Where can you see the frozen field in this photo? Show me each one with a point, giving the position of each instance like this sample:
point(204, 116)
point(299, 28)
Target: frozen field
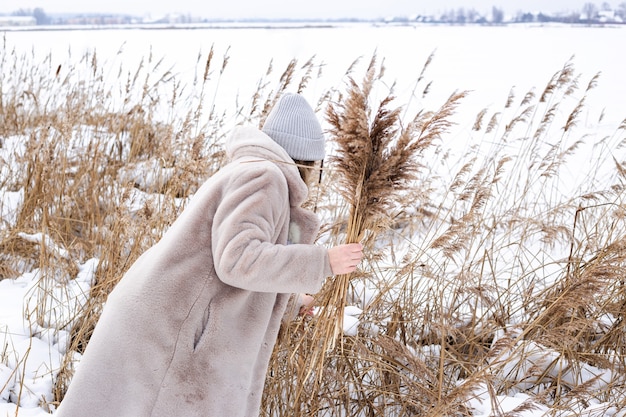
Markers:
point(486, 60)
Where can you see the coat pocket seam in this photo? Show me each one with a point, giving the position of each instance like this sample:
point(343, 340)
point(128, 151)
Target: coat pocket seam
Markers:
point(200, 333)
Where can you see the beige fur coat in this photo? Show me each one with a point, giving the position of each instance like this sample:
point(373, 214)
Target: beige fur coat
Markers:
point(190, 328)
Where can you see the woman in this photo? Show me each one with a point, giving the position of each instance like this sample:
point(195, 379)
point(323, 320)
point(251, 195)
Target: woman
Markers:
point(190, 328)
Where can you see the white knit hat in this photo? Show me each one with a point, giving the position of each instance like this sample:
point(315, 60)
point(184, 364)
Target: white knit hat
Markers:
point(292, 124)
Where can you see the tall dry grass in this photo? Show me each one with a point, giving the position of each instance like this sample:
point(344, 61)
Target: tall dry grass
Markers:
point(495, 276)
point(490, 267)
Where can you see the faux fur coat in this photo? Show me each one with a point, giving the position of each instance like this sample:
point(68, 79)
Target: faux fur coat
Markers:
point(190, 328)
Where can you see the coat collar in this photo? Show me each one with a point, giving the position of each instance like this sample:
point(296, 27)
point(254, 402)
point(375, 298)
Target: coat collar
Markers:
point(246, 142)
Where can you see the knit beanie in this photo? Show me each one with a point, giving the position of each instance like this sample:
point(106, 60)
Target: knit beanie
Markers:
point(292, 124)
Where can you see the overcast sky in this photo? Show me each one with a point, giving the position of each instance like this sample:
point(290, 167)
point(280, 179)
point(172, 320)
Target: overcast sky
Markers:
point(293, 8)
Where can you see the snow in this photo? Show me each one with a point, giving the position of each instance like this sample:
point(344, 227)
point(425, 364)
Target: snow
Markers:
point(30, 363)
point(488, 61)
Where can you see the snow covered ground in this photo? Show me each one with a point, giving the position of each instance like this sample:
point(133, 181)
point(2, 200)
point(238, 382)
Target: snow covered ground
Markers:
point(486, 60)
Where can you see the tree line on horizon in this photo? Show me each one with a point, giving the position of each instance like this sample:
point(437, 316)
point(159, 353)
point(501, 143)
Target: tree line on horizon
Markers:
point(590, 13)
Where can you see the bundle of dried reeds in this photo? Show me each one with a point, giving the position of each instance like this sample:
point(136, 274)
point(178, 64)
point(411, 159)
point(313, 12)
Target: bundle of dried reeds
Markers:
point(376, 159)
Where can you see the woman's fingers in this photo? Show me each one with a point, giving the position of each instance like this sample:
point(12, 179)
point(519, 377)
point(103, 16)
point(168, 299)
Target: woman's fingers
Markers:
point(307, 305)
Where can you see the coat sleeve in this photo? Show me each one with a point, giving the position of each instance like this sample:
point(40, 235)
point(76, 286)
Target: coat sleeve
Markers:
point(253, 207)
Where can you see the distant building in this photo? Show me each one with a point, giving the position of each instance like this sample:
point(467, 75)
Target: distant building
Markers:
point(17, 21)
point(609, 16)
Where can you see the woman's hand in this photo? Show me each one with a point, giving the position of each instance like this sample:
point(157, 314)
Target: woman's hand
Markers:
point(306, 305)
point(345, 258)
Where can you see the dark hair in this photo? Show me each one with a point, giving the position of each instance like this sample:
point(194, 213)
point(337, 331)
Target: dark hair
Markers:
point(305, 168)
